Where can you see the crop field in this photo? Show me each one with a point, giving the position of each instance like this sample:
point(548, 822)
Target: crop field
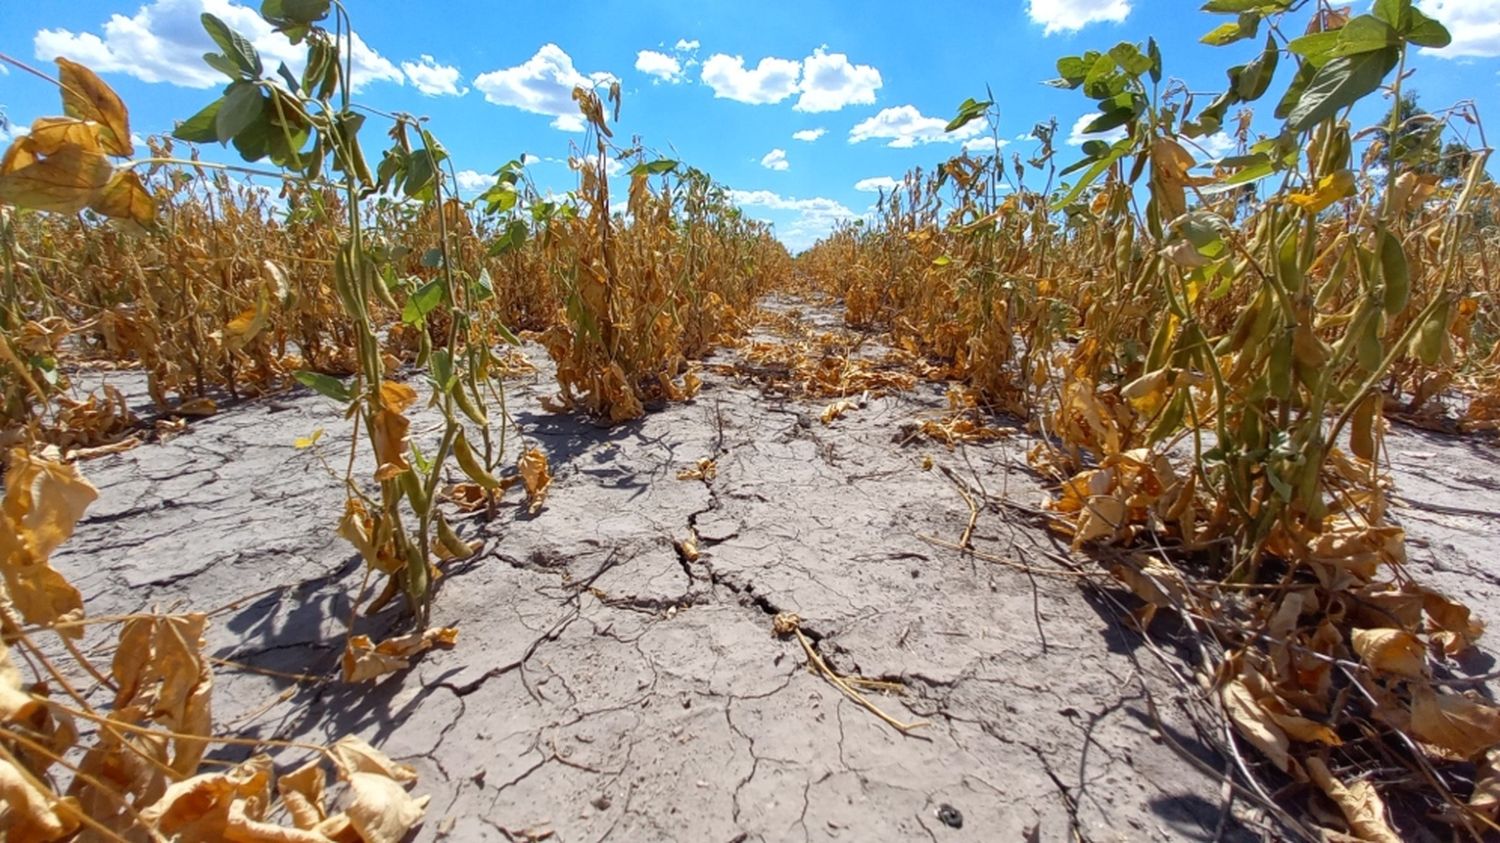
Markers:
point(1108, 491)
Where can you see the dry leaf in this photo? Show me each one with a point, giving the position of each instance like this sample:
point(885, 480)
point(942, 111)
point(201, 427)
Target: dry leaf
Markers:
point(1391, 650)
point(1454, 722)
point(42, 504)
point(1359, 802)
point(380, 809)
point(32, 814)
point(86, 97)
point(364, 660)
point(536, 476)
point(353, 754)
point(1255, 724)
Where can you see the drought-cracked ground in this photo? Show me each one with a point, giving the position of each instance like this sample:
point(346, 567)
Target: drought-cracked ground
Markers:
point(605, 686)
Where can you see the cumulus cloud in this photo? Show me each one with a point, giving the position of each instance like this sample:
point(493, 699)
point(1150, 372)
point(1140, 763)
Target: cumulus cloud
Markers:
point(809, 135)
point(1475, 25)
point(830, 82)
point(904, 126)
point(1073, 15)
point(985, 145)
point(164, 41)
point(1217, 145)
point(433, 79)
point(775, 160)
point(543, 84)
point(877, 183)
point(686, 46)
point(1077, 136)
point(771, 81)
point(825, 81)
point(812, 218)
point(660, 65)
point(473, 181)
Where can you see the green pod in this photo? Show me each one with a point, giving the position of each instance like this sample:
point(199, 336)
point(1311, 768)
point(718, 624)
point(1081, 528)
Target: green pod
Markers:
point(1396, 273)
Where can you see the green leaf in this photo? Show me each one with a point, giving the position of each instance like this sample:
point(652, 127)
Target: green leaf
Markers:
point(1339, 84)
point(324, 385)
point(506, 334)
point(483, 289)
point(1256, 76)
point(1248, 26)
point(1153, 52)
point(242, 108)
point(1295, 91)
point(968, 111)
point(1397, 13)
point(305, 11)
point(1109, 120)
point(1426, 32)
point(652, 168)
point(441, 369)
point(236, 47)
point(432, 258)
point(1115, 154)
point(422, 302)
point(200, 127)
point(513, 238)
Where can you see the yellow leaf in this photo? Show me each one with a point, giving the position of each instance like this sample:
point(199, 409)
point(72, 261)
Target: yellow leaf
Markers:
point(65, 182)
point(1391, 650)
point(353, 754)
point(49, 134)
point(1331, 188)
point(364, 660)
point(304, 442)
point(536, 475)
point(1360, 804)
point(32, 813)
point(126, 198)
point(381, 810)
point(42, 504)
point(86, 97)
point(1254, 723)
point(302, 794)
point(243, 328)
point(201, 406)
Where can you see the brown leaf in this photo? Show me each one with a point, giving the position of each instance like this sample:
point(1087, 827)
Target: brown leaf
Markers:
point(389, 439)
point(1453, 722)
point(364, 660)
point(86, 97)
point(1359, 802)
point(302, 793)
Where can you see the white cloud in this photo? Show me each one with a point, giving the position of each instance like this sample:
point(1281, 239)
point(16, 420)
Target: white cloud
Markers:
point(4, 70)
point(473, 181)
point(813, 217)
point(772, 80)
point(660, 65)
point(905, 127)
point(830, 82)
point(685, 46)
point(543, 84)
point(775, 160)
point(983, 145)
point(809, 135)
point(1077, 137)
point(1217, 145)
point(1474, 24)
point(433, 79)
point(9, 131)
point(1073, 15)
point(877, 183)
point(826, 81)
point(165, 42)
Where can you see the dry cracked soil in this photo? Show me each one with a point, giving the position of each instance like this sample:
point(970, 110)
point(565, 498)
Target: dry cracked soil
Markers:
point(605, 687)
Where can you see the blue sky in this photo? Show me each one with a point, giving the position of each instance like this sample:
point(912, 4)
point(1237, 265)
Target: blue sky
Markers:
point(802, 108)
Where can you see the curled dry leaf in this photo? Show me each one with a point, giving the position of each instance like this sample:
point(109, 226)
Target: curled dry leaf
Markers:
point(364, 660)
point(42, 504)
point(1456, 723)
point(32, 814)
point(536, 476)
point(1360, 804)
point(380, 809)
